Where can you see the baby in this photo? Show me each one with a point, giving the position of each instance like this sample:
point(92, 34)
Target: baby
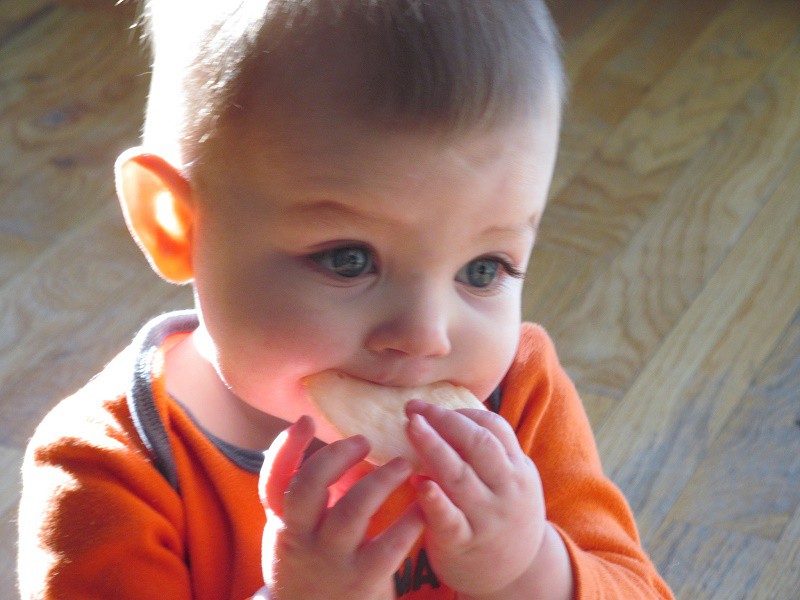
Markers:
point(350, 186)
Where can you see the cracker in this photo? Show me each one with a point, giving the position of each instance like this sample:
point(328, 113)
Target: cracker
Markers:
point(354, 406)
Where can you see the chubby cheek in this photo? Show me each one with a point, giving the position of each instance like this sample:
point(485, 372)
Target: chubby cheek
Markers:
point(268, 338)
point(490, 349)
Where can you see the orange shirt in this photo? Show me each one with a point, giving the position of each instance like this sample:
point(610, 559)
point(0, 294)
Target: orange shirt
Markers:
point(125, 496)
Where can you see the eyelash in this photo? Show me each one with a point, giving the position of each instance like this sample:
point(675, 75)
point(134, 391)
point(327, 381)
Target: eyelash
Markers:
point(511, 270)
point(506, 269)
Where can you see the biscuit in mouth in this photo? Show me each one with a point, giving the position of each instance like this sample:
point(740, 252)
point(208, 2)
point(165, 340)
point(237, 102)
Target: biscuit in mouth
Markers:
point(354, 406)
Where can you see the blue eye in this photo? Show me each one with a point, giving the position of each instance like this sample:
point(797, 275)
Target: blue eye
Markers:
point(348, 261)
point(479, 273)
point(483, 273)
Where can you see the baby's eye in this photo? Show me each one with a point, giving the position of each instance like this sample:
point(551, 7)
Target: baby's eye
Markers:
point(479, 273)
point(485, 272)
point(347, 261)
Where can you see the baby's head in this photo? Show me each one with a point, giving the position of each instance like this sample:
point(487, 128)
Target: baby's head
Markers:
point(450, 64)
point(350, 184)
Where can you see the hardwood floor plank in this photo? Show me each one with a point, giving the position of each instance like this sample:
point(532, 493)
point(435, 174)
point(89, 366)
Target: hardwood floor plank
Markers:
point(8, 554)
point(647, 286)
point(10, 463)
point(65, 114)
point(66, 283)
point(574, 17)
point(598, 407)
point(614, 192)
point(589, 27)
point(16, 16)
point(703, 563)
point(550, 271)
point(662, 428)
point(780, 576)
point(614, 62)
point(750, 480)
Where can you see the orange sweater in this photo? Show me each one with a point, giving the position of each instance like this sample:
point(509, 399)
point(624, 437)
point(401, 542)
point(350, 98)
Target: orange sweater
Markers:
point(124, 496)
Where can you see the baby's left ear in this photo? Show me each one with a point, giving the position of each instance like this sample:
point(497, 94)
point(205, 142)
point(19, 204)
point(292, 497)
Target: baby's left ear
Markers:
point(156, 201)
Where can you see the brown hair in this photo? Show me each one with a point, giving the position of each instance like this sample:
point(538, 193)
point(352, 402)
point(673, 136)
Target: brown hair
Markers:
point(452, 63)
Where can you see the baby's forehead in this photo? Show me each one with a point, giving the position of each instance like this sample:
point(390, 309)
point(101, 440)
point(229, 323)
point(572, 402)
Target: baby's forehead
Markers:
point(453, 215)
point(297, 171)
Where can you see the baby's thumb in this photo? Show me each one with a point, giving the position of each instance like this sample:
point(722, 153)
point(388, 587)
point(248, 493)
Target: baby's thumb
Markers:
point(281, 461)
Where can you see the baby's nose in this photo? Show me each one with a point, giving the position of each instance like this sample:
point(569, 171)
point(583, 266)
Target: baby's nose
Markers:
point(415, 324)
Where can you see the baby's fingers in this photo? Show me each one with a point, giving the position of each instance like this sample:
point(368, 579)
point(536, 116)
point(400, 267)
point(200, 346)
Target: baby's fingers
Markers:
point(474, 436)
point(387, 550)
point(445, 521)
point(281, 461)
point(346, 523)
point(306, 498)
point(501, 429)
point(440, 461)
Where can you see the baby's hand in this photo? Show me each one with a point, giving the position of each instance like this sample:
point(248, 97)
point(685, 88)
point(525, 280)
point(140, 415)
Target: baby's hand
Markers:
point(483, 504)
point(313, 551)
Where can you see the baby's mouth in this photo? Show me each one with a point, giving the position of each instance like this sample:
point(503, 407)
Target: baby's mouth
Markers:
point(400, 375)
point(396, 384)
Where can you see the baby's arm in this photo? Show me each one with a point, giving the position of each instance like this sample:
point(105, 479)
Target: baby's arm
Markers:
point(584, 506)
point(96, 522)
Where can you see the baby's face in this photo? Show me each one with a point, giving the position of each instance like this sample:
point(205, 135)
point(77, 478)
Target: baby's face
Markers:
point(393, 257)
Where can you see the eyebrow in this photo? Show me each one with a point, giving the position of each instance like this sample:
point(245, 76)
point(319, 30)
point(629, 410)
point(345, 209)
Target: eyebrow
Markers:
point(333, 209)
point(532, 225)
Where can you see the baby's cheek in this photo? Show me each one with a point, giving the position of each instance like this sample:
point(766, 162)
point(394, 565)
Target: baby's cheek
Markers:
point(491, 351)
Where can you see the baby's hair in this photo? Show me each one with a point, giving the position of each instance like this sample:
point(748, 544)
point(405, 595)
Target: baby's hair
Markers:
point(452, 64)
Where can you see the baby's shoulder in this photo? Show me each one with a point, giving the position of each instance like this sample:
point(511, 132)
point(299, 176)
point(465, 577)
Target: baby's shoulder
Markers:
point(535, 345)
point(536, 369)
point(95, 418)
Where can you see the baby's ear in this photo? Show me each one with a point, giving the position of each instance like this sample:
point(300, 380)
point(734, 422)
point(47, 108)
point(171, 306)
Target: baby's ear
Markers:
point(157, 204)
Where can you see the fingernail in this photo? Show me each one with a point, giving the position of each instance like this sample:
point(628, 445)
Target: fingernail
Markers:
point(400, 465)
point(302, 424)
point(418, 423)
point(360, 441)
point(415, 405)
point(429, 491)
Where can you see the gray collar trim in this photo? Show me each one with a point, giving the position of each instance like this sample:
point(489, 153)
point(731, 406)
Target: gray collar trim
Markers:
point(142, 405)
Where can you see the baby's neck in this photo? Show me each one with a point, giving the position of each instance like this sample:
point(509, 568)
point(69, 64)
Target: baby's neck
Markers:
point(193, 381)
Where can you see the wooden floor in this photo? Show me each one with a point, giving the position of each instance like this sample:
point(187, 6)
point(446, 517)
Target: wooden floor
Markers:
point(667, 270)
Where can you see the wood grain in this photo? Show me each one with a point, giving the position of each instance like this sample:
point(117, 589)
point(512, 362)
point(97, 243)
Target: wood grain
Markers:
point(16, 17)
point(10, 462)
point(688, 390)
point(613, 64)
point(781, 575)
point(8, 554)
point(753, 465)
point(62, 126)
point(73, 317)
point(636, 164)
point(730, 561)
point(683, 240)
